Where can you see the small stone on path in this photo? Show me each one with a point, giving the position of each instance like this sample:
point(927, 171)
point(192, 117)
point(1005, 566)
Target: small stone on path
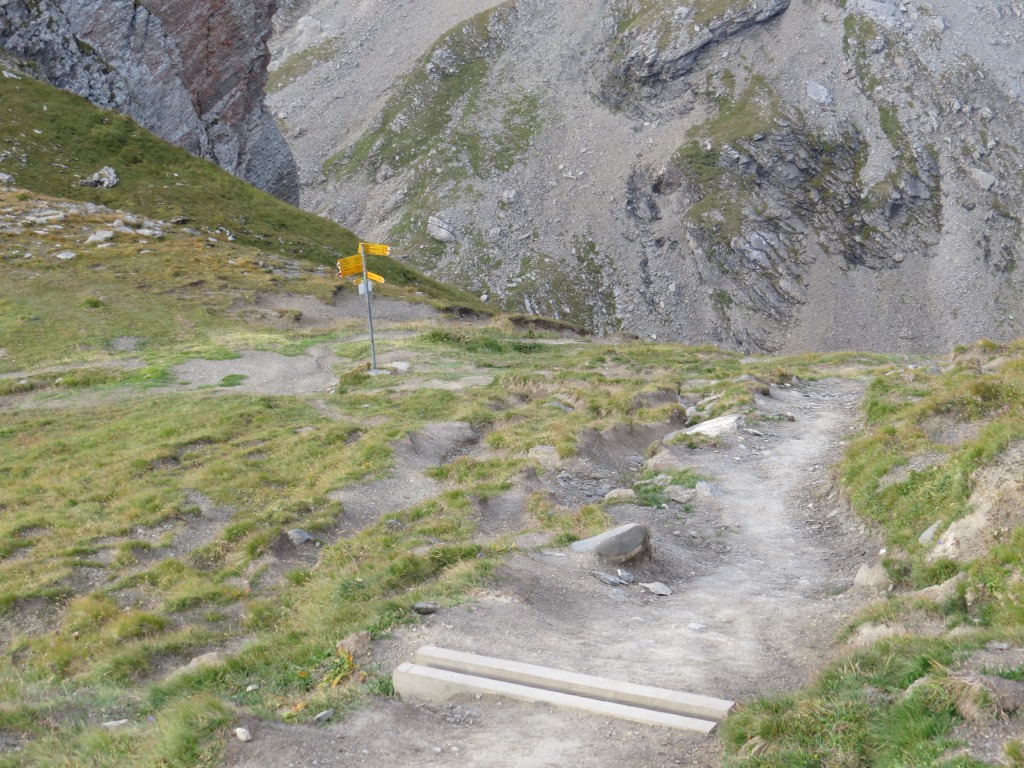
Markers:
point(679, 494)
point(425, 608)
point(299, 537)
point(607, 578)
point(717, 427)
point(710, 490)
point(656, 588)
point(322, 717)
point(242, 734)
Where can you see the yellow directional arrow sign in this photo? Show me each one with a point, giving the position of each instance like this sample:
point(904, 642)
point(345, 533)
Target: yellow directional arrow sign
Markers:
point(350, 265)
point(375, 277)
point(375, 249)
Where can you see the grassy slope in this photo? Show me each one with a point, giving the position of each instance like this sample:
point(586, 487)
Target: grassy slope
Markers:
point(101, 568)
point(97, 504)
point(97, 497)
point(49, 139)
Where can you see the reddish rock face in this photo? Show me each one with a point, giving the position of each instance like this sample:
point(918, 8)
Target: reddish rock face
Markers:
point(191, 71)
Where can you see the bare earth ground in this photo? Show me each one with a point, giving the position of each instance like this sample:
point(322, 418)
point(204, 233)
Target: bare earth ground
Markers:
point(760, 578)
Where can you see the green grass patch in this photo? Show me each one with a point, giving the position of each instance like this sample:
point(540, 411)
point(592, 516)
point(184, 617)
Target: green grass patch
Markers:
point(300, 63)
point(652, 494)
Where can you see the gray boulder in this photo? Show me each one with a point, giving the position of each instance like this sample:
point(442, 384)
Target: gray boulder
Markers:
point(441, 230)
point(619, 544)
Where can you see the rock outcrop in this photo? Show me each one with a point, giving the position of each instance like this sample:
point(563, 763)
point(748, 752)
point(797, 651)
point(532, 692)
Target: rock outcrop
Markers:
point(191, 72)
point(648, 54)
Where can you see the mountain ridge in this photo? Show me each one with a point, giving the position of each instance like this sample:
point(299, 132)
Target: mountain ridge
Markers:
point(788, 176)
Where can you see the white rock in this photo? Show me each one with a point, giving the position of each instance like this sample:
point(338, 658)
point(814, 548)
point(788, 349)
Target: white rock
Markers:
point(66, 255)
point(984, 179)
point(100, 236)
point(441, 230)
point(242, 734)
point(872, 577)
point(818, 92)
point(928, 535)
point(105, 177)
point(713, 427)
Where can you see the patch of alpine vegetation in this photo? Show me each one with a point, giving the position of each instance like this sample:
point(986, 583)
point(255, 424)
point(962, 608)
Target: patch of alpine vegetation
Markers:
point(424, 113)
point(301, 62)
point(652, 42)
point(935, 677)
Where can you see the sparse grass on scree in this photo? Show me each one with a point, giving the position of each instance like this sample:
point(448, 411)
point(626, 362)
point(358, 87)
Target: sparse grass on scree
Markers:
point(862, 711)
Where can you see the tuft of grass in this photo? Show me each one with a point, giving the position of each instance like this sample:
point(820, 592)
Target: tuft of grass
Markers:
point(567, 525)
point(652, 494)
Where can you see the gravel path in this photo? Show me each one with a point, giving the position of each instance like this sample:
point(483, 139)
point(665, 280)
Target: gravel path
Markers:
point(760, 578)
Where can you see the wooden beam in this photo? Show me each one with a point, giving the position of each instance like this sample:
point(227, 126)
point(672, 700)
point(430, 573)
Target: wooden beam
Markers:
point(600, 688)
point(428, 685)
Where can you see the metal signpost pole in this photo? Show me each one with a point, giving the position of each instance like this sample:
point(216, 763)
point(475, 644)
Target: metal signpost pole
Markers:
point(368, 288)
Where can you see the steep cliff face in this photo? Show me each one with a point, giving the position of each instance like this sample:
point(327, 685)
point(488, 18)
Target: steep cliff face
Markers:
point(764, 174)
point(191, 72)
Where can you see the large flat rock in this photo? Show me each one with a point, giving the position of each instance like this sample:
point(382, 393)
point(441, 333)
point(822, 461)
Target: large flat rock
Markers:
point(618, 544)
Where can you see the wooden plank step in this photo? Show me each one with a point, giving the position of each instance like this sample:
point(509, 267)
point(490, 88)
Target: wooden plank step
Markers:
point(417, 683)
point(660, 699)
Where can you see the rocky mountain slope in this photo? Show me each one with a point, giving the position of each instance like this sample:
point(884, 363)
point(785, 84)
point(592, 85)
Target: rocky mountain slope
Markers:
point(192, 73)
point(768, 175)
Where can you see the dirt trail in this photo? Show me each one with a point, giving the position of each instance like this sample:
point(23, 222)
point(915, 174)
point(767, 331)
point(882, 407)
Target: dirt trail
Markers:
point(760, 577)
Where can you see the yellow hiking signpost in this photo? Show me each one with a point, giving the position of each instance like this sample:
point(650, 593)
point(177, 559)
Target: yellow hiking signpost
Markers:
point(350, 265)
point(356, 265)
point(375, 249)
